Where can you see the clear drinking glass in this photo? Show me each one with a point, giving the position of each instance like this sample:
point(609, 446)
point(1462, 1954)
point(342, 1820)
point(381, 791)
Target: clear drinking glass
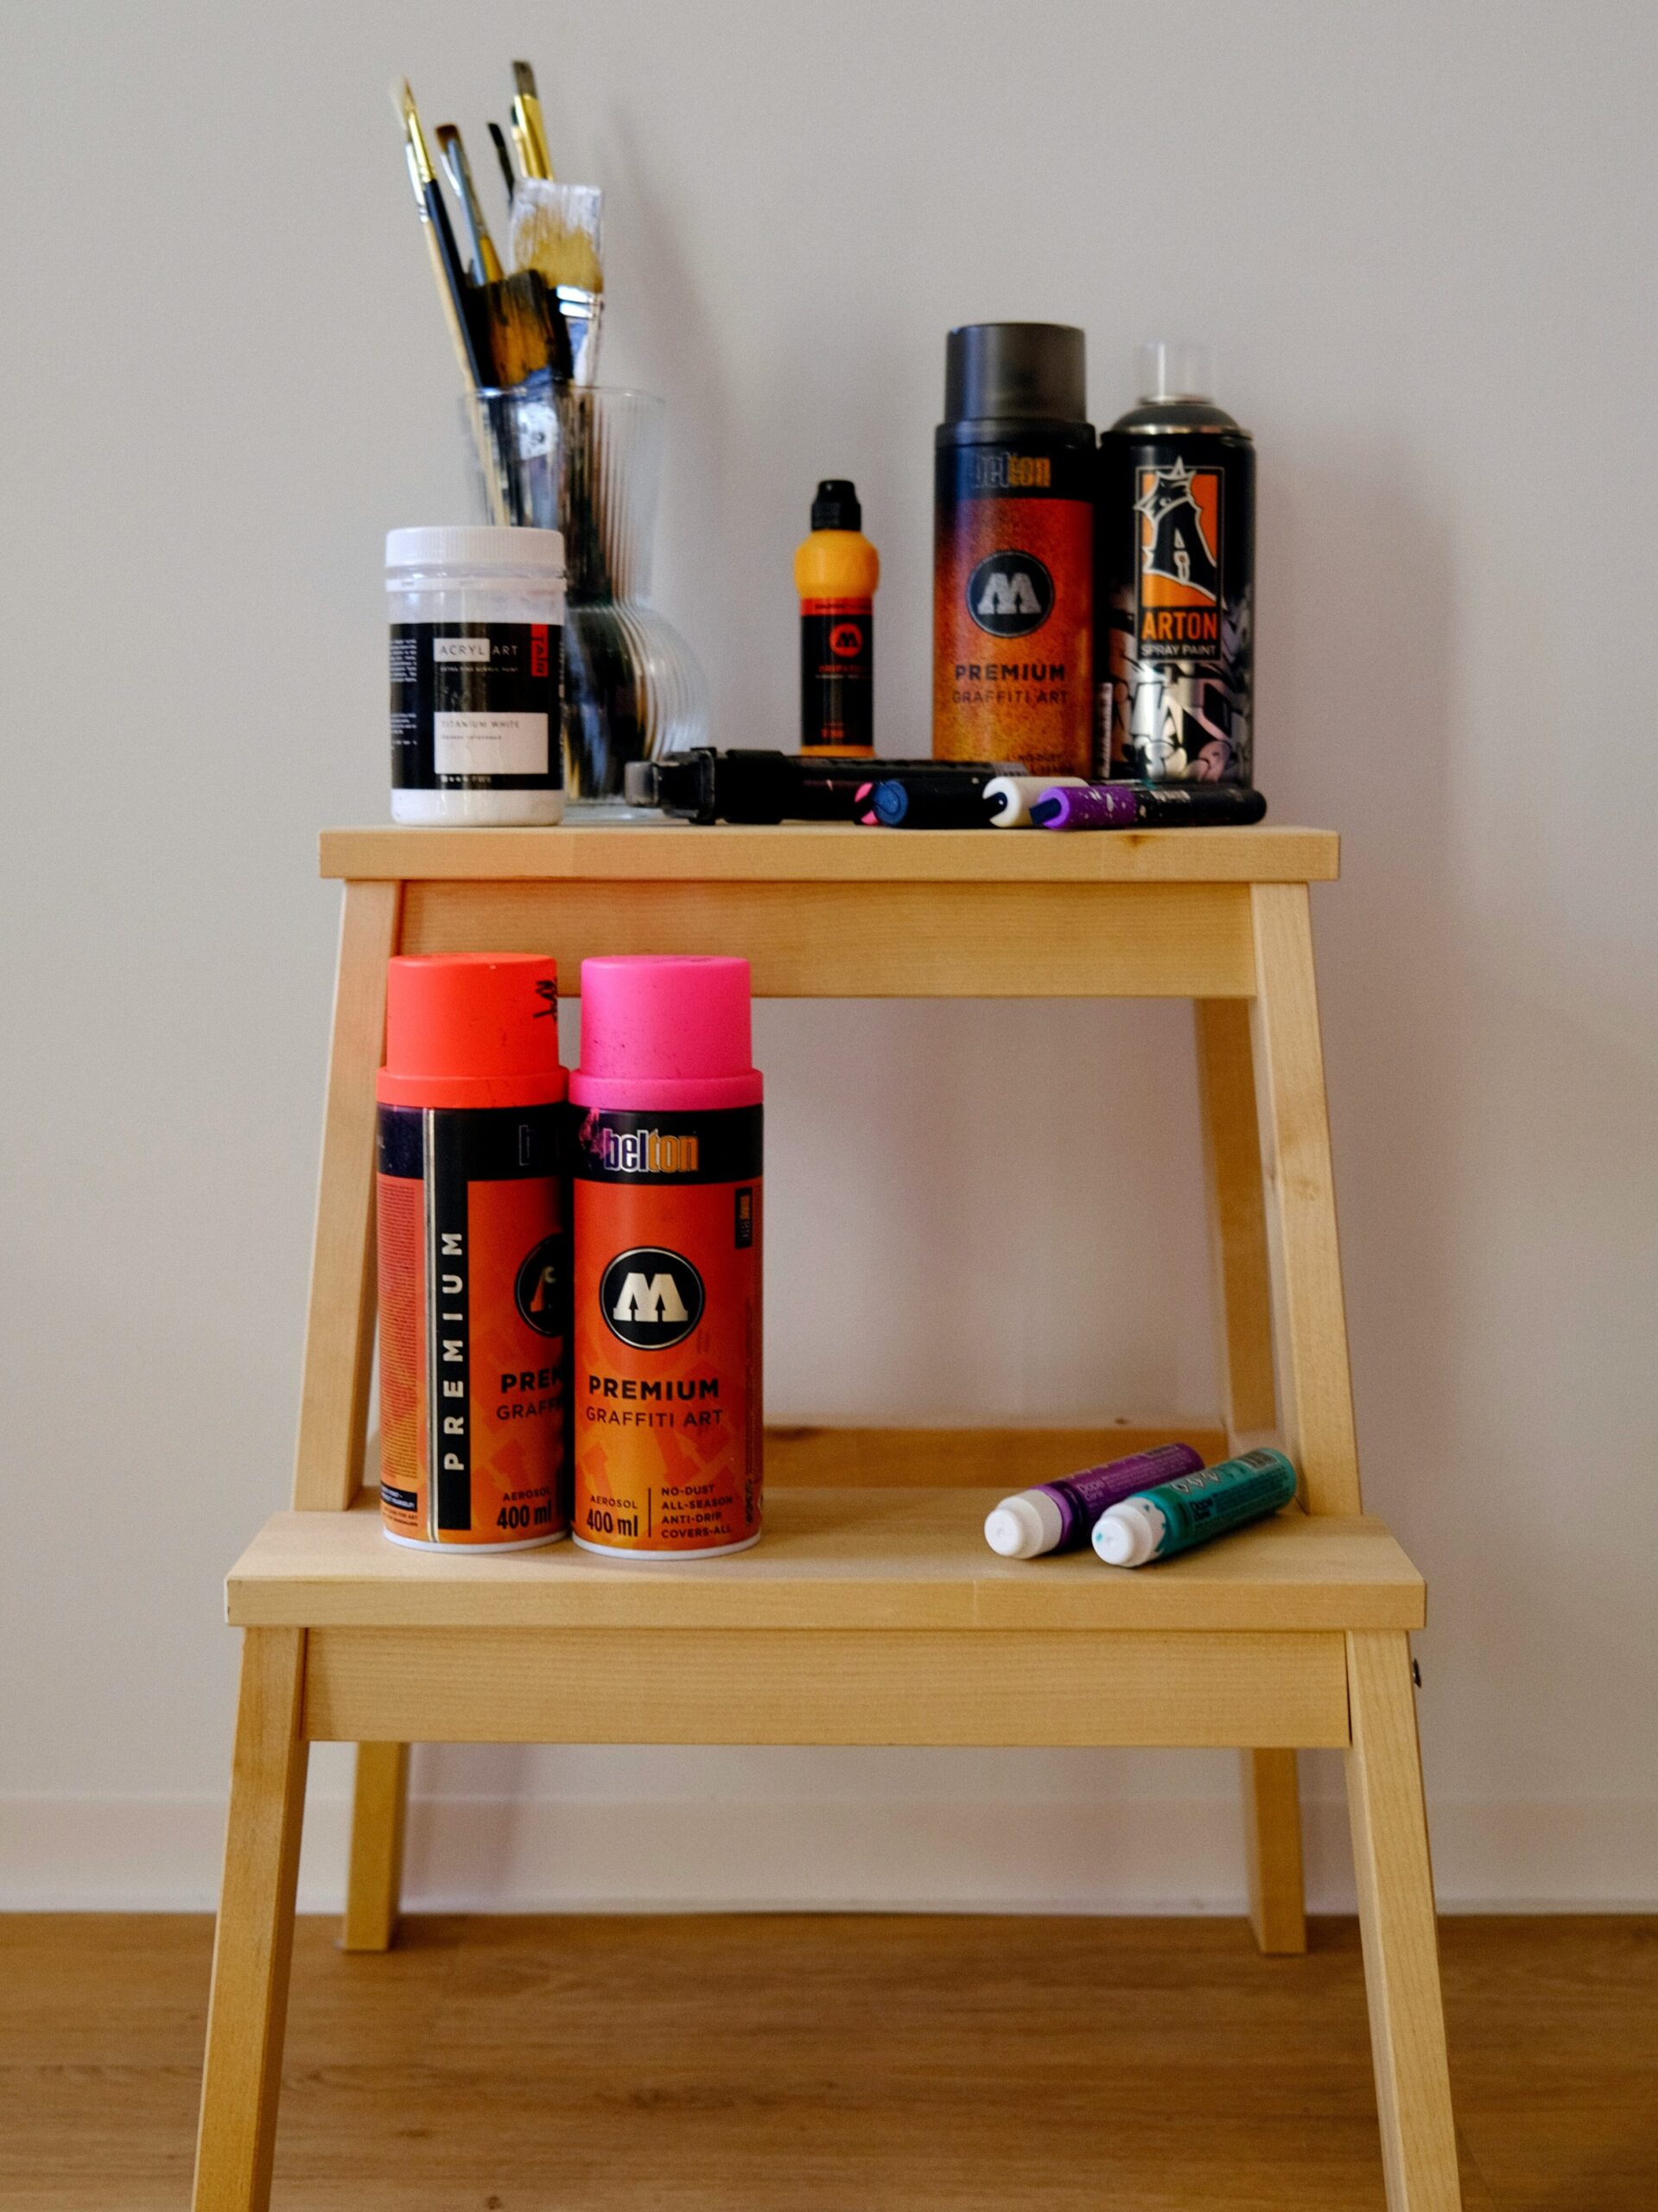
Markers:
point(633, 690)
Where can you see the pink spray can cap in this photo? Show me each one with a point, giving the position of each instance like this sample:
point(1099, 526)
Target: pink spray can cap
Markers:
point(665, 1029)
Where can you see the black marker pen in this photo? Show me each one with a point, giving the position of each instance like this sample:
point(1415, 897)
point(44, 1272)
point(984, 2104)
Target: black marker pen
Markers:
point(749, 786)
point(944, 794)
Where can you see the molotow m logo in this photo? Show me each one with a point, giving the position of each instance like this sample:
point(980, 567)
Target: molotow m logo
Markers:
point(651, 1298)
point(1010, 593)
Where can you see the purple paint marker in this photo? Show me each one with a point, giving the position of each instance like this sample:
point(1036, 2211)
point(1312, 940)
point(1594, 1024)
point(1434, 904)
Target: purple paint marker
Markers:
point(1060, 1517)
point(1148, 806)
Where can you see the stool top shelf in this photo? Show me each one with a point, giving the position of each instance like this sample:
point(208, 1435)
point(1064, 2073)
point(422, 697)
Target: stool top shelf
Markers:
point(830, 853)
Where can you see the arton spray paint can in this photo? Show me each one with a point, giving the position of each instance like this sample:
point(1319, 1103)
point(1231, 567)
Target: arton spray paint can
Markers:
point(667, 1229)
point(474, 1205)
point(1012, 550)
point(1175, 561)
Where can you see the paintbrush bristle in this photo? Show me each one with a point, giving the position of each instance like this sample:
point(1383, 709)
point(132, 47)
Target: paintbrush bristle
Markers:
point(555, 233)
point(523, 81)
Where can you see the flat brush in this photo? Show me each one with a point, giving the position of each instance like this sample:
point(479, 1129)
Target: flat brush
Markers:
point(454, 291)
point(505, 161)
point(526, 331)
point(485, 262)
point(529, 131)
point(555, 231)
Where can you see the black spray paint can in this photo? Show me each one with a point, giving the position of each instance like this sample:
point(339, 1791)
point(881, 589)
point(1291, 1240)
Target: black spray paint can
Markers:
point(1174, 519)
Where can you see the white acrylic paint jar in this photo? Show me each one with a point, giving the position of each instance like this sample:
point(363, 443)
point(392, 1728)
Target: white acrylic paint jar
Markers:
point(477, 616)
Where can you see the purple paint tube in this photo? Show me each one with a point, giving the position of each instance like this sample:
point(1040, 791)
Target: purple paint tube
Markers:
point(1059, 1517)
point(1148, 806)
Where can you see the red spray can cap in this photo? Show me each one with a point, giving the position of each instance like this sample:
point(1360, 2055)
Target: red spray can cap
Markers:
point(662, 1030)
point(472, 1029)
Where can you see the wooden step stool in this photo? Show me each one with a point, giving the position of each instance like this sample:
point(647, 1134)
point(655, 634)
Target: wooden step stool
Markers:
point(872, 1612)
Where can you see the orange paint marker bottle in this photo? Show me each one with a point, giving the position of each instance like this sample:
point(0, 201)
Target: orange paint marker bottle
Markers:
point(667, 1219)
point(836, 570)
point(474, 1253)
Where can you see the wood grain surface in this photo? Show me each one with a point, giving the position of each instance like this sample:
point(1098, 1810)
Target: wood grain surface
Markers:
point(868, 940)
point(749, 2063)
point(832, 1559)
point(833, 852)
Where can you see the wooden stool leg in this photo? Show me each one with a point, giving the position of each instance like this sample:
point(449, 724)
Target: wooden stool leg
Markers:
point(1401, 1960)
point(1243, 1300)
point(340, 1326)
point(248, 2007)
point(374, 1884)
point(1271, 1829)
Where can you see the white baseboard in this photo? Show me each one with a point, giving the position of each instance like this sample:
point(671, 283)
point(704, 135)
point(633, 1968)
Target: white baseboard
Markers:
point(1138, 1855)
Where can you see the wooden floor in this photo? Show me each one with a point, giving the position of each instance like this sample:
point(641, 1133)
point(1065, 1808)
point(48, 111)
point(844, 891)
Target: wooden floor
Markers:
point(797, 2064)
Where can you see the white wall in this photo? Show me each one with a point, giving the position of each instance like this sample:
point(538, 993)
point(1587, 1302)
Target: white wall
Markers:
point(1422, 241)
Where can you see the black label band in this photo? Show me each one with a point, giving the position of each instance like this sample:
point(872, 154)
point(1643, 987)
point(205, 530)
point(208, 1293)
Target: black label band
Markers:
point(448, 1321)
point(493, 1144)
point(721, 1147)
point(475, 707)
point(837, 675)
point(1035, 468)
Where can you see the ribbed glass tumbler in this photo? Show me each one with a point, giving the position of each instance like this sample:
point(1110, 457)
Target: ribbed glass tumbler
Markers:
point(633, 689)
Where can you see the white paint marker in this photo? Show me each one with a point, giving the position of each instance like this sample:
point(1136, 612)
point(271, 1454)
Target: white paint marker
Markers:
point(1011, 796)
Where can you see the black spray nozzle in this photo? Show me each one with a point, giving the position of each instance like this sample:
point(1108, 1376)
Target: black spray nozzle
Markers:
point(836, 505)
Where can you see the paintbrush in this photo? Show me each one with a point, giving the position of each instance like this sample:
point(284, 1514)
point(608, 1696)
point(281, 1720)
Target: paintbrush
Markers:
point(527, 335)
point(485, 262)
point(556, 232)
point(529, 132)
point(457, 296)
point(505, 161)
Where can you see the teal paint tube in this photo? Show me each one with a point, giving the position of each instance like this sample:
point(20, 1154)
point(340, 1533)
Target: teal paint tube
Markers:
point(1175, 1516)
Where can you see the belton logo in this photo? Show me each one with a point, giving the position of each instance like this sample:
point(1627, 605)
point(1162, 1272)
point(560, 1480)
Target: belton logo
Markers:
point(651, 1298)
point(1010, 595)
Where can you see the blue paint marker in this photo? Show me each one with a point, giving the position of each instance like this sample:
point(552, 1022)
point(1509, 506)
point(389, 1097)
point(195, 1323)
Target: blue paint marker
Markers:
point(1190, 1511)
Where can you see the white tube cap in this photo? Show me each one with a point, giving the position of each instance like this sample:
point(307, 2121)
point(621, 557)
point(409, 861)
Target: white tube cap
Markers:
point(1128, 1534)
point(1024, 1527)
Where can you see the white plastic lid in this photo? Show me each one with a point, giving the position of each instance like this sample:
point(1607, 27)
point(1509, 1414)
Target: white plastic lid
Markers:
point(1175, 368)
point(1024, 1527)
point(492, 547)
point(1128, 1534)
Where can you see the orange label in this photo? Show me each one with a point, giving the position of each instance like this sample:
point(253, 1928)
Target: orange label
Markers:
point(667, 1335)
point(1013, 634)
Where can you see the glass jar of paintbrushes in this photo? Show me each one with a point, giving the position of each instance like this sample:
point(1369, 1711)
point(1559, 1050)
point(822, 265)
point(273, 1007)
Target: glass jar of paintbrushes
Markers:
point(554, 449)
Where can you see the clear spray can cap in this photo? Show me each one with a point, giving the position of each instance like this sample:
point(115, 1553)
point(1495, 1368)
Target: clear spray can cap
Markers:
point(1175, 368)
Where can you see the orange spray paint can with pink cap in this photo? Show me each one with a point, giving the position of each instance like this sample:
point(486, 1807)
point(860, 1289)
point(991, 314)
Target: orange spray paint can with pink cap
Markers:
point(666, 1214)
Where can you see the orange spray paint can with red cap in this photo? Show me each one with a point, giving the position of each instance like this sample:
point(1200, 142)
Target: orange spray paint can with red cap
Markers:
point(473, 1253)
point(666, 1163)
